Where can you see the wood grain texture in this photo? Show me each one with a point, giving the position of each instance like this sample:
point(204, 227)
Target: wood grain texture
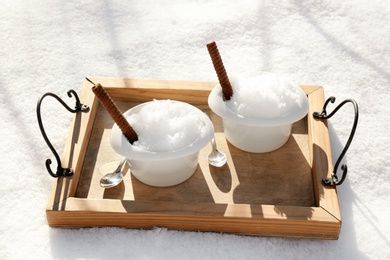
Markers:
point(272, 194)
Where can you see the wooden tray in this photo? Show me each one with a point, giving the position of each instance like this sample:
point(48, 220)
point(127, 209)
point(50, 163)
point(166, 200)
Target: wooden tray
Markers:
point(271, 194)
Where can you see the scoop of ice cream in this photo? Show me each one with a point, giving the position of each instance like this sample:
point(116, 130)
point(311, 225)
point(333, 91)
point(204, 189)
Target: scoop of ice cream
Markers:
point(165, 125)
point(265, 96)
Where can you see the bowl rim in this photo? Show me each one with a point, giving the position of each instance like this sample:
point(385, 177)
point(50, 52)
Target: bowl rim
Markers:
point(122, 146)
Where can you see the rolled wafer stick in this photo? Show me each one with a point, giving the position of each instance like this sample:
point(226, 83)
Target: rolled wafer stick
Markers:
point(223, 78)
point(114, 112)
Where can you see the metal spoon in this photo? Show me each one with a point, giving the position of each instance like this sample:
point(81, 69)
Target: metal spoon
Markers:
point(114, 178)
point(216, 158)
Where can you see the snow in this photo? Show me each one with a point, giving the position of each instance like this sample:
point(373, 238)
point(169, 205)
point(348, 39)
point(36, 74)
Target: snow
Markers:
point(50, 46)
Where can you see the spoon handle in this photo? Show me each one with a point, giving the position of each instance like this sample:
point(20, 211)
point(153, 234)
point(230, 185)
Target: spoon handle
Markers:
point(122, 162)
point(214, 146)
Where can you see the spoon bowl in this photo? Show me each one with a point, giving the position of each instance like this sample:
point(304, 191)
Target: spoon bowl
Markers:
point(112, 179)
point(216, 158)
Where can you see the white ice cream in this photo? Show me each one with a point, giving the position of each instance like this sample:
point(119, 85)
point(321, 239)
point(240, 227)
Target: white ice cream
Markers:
point(164, 125)
point(265, 96)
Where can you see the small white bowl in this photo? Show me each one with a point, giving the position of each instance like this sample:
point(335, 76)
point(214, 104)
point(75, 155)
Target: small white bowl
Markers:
point(162, 169)
point(256, 135)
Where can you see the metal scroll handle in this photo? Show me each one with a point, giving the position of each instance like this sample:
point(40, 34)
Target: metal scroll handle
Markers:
point(334, 180)
point(79, 107)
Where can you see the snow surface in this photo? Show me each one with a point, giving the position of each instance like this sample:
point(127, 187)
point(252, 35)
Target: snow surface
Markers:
point(50, 46)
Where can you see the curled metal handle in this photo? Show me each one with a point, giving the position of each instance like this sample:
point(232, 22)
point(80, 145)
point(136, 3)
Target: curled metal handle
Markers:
point(78, 107)
point(334, 180)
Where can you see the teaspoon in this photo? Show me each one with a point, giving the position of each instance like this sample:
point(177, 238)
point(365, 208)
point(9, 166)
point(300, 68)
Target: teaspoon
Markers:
point(112, 179)
point(216, 158)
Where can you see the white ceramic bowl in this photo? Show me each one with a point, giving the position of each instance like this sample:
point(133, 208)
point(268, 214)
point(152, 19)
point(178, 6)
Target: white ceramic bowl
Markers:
point(256, 135)
point(162, 169)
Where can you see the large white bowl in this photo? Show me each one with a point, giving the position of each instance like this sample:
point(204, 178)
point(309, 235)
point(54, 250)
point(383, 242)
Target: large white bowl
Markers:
point(162, 169)
point(256, 135)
